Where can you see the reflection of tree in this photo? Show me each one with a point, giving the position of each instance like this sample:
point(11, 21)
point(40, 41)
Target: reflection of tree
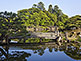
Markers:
point(16, 56)
point(4, 52)
point(36, 49)
point(50, 49)
point(40, 51)
point(56, 49)
point(74, 52)
point(19, 56)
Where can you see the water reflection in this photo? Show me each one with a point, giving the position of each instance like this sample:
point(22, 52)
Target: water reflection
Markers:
point(74, 52)
point(23, 53)
point(13, 56)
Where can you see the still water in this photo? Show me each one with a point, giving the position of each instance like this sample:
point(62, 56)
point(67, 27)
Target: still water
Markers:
point(40, 53)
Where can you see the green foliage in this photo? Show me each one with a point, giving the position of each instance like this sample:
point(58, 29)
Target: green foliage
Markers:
point(74, 21)
point(38, 18)
point(35, 16)
point(10, 24)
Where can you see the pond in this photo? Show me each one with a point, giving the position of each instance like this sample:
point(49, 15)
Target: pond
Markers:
point(45, 52)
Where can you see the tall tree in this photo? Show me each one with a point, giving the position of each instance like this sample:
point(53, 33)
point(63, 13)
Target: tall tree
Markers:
point(56, 8)
point(50, 9)
point(34, 6)
point(41, 6)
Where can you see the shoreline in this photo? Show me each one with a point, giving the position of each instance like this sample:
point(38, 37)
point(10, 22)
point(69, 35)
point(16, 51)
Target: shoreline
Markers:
point(41, 43)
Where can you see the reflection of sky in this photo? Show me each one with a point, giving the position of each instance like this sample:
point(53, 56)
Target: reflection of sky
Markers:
point(47, 56)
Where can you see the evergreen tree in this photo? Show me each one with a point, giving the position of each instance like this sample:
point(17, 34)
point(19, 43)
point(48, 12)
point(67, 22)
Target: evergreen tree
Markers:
point(50, 9)
point(10, 24)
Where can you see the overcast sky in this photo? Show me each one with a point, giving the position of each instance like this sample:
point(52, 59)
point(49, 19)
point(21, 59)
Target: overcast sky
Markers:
point(69, 7)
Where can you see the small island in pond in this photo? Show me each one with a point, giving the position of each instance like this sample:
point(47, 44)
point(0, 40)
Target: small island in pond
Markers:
point(38, 28)
point(36, 25)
